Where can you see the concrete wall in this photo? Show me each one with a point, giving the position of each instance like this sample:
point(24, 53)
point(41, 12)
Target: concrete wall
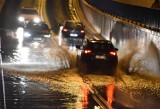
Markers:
point(139, 48)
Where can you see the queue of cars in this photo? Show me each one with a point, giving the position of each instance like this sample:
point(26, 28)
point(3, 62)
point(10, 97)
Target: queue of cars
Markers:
point(92, 54)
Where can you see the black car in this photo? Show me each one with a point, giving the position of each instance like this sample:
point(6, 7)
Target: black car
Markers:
point(36, 32)
point(97, 55)
point(73, 32)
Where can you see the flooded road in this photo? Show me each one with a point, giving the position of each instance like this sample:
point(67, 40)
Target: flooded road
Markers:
point(44, 76)
point(67, 89)
point(24, 87)
point(28, 94)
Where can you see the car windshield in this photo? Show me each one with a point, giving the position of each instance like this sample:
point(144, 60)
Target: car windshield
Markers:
point(43, 26)
point(74, 25)
point(28, 11)
point(38, 26)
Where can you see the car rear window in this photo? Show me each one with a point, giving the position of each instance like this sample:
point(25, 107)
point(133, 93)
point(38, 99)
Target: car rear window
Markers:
point(101, 46)
point(44, 26)
point(38, 26)
point(74, 25)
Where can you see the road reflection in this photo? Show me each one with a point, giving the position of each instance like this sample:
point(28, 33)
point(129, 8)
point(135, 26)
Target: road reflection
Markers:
point(33, 59)
point(34, 56)
point(110, 94)
point(85, 100)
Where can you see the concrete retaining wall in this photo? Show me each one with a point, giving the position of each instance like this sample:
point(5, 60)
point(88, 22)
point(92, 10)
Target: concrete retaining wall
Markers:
point(139, 48)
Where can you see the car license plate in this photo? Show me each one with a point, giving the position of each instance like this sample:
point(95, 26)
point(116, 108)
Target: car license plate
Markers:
point(100, 57)
point(74, 35)
point(37, 38)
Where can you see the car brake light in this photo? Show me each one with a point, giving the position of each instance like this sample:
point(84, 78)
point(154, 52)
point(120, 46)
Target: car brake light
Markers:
point(87, 51)
point(65, 30)
point(82, 31)
point(113, 53)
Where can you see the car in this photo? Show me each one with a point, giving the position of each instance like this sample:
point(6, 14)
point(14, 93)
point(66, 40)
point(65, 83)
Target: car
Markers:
point(26, 14)
point(73, 32)
point(97, 55)
point(36, 32)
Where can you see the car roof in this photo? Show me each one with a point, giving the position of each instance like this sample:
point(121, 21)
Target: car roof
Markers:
point(99, 44)
point(32, 24)
point(99, 41)
point(73, 21)
point(29, 8)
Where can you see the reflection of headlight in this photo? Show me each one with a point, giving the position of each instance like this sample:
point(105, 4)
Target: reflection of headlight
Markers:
point(37, 20)
point(47, 35)
point(35, 44)
point(27, 34)
point(21, 19)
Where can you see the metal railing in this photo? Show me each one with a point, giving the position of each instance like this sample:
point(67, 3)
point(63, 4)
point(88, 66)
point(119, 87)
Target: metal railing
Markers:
point(146, 17)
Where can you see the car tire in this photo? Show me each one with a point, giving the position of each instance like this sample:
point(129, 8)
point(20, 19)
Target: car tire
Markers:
point(81, 67)
point(113, 71)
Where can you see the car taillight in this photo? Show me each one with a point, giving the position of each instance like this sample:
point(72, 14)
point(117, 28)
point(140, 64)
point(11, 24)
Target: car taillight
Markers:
point(87, 51)
point(82, 31)
point(113, 53)
point(65, 30)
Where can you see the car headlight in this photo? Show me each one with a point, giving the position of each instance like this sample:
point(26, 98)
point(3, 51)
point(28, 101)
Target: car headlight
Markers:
point(37, 20)
point(27, 34)
point(21, 19)
point(61, 27)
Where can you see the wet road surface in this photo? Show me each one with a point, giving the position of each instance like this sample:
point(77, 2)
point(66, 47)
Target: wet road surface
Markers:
point(44, 78)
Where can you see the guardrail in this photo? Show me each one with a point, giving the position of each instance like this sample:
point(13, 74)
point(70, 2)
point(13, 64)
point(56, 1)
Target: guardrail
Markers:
point(145, 17)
